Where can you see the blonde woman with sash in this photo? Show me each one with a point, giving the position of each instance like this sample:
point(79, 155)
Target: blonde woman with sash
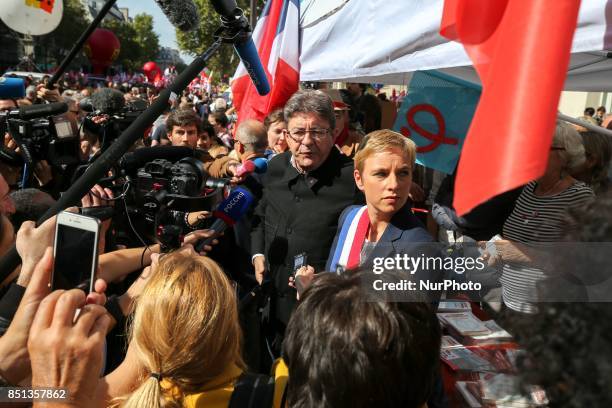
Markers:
point(385, 226)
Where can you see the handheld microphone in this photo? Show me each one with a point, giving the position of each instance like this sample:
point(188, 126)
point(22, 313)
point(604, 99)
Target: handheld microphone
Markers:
point(12, 88)
point(245, 168)
point(39, 111)
point(233, 16)
point(258, 166)
point(183, 14)
point(229, 211)
point(139, 157)
point(261, 165)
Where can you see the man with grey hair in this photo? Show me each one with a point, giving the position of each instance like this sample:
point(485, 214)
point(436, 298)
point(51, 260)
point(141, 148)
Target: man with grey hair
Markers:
point(251, 140)
point(305, 190)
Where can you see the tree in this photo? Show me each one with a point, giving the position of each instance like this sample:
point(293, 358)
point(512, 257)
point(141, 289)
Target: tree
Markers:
point(146, 38)
point(197, 41)
point(139, 43)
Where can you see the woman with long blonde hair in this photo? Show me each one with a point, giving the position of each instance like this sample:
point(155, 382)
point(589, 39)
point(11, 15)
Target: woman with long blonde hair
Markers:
point(184, 337)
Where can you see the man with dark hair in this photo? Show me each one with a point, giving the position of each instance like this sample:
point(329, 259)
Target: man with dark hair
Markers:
point(601, 113)
point(345, 347)
point(305, 190)
point(183, 127)
point(588, 116)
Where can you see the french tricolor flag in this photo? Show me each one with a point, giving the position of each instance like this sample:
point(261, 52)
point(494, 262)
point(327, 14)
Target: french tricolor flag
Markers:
point(276, 37)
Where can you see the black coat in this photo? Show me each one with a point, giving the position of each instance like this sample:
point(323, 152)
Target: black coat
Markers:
point(299, 213)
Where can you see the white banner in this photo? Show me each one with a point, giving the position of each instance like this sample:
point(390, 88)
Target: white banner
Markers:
point(384, 41)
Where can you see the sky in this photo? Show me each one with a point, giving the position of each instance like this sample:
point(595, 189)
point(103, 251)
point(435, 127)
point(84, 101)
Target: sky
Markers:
point(161, 25)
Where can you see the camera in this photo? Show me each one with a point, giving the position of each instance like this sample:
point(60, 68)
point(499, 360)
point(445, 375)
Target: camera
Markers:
point(120, 117)
point(158, 194)
point(49, 138)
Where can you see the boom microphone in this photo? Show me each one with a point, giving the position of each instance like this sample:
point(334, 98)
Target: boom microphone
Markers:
point(39, 111)
point(107, 101)
point(233, 16)
point(183, 14)
point(139, 157)
point(229, 211)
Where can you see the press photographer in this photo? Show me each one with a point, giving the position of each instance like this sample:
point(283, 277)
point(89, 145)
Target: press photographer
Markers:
point(39, 147)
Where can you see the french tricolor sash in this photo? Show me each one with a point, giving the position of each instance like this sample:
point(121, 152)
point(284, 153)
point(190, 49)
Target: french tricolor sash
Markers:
point(352, 236)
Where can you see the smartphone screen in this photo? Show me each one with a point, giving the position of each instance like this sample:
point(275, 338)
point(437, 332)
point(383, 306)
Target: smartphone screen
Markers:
point(299, 261)
point(75, 256)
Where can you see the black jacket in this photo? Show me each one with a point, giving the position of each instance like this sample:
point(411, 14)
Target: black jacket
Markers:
point(299, 213)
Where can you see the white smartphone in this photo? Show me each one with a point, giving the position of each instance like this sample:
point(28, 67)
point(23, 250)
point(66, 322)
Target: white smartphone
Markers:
point(490, 246)
point(75, 251)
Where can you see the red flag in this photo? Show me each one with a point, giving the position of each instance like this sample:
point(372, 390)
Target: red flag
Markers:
point(276, 37)
point(521, 51)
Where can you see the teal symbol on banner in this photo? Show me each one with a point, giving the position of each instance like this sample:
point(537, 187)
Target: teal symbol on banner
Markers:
point(436, 114)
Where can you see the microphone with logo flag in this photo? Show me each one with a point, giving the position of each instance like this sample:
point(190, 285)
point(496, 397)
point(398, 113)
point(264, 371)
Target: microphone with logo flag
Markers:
point(229, 211)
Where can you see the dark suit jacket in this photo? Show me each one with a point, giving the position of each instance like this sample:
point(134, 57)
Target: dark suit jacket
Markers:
point(299, 213)
point(404, 235)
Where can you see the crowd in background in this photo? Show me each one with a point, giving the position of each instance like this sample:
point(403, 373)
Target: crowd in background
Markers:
point(175, 330)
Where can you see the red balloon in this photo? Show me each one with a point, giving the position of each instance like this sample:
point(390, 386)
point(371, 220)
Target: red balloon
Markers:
point(151, 71)
point(102, 48)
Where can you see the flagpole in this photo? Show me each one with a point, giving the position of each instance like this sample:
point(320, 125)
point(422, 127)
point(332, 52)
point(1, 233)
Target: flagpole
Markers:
point(587, 125)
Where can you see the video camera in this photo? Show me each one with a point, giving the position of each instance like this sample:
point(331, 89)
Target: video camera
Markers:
point(42, 133)
point(120, 114)
point(158, 187)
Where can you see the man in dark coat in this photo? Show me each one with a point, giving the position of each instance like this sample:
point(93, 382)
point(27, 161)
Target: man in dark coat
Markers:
point(305, 191)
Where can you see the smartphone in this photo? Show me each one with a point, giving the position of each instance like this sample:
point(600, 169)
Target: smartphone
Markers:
point(298, 261)
point(75, 251)
point(490, 245)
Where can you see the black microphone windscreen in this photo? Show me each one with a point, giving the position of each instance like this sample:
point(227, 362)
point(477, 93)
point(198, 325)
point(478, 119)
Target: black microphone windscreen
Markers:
point(139, 157)
point(183, 14)
point(85, 105)
point(40, 110)
point(225, 8)
point(107, 100)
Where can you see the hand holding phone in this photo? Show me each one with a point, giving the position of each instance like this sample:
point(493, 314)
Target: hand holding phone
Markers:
point(299, 261)
point(75, 251)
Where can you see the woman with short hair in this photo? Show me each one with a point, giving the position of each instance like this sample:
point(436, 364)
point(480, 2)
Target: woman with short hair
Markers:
point(383, 171)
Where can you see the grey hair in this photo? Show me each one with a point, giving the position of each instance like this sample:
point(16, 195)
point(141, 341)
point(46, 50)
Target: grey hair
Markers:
point(252, 135)
point(311, 101)
point(569, 139)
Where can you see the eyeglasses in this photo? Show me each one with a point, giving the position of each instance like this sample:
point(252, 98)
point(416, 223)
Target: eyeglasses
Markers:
point(299, 134)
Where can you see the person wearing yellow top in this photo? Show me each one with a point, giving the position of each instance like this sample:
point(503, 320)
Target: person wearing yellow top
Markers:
point(185, 342)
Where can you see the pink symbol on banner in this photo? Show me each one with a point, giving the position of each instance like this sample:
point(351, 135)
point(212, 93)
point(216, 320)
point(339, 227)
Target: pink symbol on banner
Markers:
point(436, 138)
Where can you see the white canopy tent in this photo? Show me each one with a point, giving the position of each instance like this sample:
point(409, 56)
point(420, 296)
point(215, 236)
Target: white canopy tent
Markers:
point(383, 41)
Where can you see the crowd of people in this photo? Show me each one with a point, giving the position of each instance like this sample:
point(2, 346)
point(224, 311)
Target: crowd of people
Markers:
point(237, 323)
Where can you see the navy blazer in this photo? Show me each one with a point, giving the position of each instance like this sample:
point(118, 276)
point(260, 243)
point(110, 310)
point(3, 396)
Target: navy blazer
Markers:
point(405, 235)
point(402, 235)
